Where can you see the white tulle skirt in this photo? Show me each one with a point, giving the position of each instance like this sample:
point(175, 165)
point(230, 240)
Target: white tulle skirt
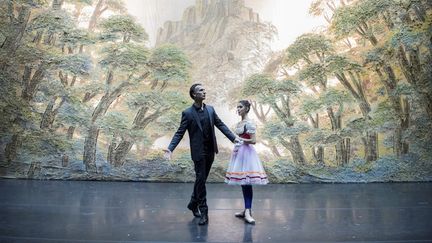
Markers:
point(245, 167)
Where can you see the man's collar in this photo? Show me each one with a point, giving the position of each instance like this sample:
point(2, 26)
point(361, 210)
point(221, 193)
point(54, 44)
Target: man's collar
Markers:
point(198, 107)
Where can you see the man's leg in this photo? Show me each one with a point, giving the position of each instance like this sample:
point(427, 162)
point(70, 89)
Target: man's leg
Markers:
point(200, 191)
point(205, 167)
point(209, 161)
point(199, 186)
point(194, 201)
point(193, 206)
point(202, 168)
point(208, 156)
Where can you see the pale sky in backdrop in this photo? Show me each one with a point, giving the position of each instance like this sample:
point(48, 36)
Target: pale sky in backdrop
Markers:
point(290, 17)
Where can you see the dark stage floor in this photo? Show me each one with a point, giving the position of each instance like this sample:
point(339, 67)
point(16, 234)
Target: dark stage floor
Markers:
point(85, 211)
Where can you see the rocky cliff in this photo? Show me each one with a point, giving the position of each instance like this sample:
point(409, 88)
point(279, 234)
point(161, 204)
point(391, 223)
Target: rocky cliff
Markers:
point(224, 39)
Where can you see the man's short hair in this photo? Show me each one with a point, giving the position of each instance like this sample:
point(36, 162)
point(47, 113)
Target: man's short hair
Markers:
point(192, 90)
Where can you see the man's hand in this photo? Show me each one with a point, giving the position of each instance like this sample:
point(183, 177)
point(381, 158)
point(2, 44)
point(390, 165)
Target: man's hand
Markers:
point(238, 140)
point(167, 154)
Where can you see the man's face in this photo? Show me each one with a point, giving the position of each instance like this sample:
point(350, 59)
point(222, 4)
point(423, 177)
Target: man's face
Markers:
point(200, 93)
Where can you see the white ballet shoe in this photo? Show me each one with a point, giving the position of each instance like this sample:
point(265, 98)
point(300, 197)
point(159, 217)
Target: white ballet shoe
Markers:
point(240, 214)
point(248, 216)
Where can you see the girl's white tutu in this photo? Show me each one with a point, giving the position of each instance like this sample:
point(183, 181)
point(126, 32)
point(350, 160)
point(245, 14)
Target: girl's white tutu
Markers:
point(245, 167)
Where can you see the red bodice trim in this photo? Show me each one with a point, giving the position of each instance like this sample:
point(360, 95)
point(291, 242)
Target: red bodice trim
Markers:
point(245, 135)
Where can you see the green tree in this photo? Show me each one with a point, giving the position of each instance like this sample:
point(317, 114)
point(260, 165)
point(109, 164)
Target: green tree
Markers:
point(309, 52)
point(351, 75)
point(310, 108)
point(31, 61)
point(151, 106)
point(102, 6)
point(125, 59)
point(15, 16)
point(262, 112)
point(58, 29)
point(278, 95)
point(130, 65)
point(167, 64)
point(378, 22)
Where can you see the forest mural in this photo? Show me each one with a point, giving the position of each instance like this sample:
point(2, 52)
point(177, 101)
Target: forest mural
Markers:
point(86, 96)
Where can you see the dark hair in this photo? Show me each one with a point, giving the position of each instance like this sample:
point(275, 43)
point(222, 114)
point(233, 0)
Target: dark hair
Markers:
point(246, 103)
point(192, 90)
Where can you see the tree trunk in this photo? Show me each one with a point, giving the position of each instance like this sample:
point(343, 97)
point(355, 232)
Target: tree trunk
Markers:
point(105, 102)
point(57, 4)
point(47, 117)
point(65, 160)
point(347, 151)
point(12, 148)
point(31, 84)
point(275, 151)
point(95, 15)
point(401, 107)
point(142, 119)
point(343, 151)
point(405, 122)
point(50, 113)
point(317, 151)
point(35, 168)
point(77, 13)
point(318, 154)
point(13, 40)
point(397, 142)
point(370, 143)
point(297, 151)
point(339, 153)
point(38, 37)
point(121, 152)
point(71, 129)
point(140, 149)
point(340, 146)
point(70, 132)
point(49, 39)
point(373, 40)
point(419, 79)
point(293, 145)
point(90, 143)
point(295, 148)
point(273, 148)
point(111, 152)
point(333, 119)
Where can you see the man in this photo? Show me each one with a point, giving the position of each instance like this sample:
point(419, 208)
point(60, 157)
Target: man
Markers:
point(199, 120)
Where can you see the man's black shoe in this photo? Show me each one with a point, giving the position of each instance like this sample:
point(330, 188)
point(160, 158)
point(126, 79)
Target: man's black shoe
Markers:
point(194, 210)
point(203, 220)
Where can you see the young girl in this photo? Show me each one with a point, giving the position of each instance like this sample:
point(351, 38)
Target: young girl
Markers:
point(245, 168)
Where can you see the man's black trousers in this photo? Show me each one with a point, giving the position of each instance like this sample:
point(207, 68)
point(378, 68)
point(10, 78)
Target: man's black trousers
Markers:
point(202, 170)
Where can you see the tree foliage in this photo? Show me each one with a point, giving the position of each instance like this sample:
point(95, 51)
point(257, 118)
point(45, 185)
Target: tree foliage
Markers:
point(72, 79)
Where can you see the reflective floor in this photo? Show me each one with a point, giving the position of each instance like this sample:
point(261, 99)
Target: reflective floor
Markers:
point(88, 211)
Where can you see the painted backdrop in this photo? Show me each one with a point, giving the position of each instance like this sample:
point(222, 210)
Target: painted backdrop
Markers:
point(94, 89)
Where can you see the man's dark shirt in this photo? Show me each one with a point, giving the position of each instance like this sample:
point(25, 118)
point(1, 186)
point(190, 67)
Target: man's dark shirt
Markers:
point(205, 123)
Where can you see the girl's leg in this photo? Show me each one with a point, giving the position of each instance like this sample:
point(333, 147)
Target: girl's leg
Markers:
point(247, 196)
